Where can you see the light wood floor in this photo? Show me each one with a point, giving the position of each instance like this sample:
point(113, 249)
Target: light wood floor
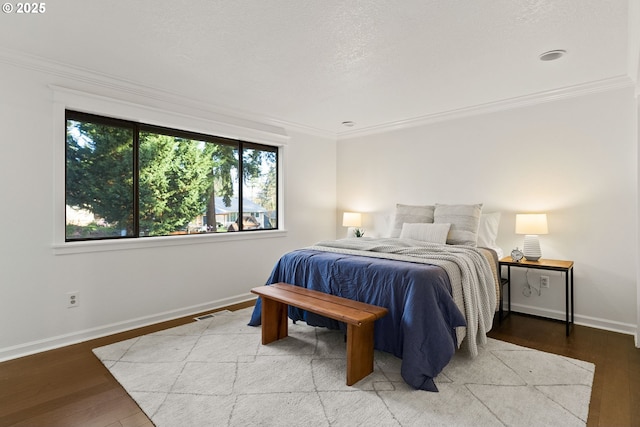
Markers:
point(70, 387)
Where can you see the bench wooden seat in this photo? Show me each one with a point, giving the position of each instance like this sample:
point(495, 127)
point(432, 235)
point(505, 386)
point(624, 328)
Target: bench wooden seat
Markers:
point(358, 316)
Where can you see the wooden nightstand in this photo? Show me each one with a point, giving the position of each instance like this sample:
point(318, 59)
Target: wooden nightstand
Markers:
point(542, 264)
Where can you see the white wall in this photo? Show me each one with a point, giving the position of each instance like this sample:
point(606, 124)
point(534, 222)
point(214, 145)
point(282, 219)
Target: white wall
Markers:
point(123, 288)
point(637, 340)
point(575, 159)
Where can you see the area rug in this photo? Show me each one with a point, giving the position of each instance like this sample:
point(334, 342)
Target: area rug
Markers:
point(215, 372)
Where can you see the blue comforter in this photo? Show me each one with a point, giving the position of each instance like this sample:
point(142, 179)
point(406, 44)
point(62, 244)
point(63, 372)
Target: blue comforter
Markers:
point(420, 325)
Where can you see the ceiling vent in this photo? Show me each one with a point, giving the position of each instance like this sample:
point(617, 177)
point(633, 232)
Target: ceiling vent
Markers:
point(552, 55)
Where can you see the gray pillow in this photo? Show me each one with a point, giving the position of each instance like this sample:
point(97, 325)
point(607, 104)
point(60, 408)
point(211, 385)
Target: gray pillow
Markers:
point(412, 215)
point(464, 220)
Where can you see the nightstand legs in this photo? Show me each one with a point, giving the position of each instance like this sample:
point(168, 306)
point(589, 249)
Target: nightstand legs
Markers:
point(569, 320)
point(553, 265)
point(509, 287)
point(504, 282)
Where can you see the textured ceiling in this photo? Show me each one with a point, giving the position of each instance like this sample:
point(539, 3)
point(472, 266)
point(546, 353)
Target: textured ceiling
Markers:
point(317, 63)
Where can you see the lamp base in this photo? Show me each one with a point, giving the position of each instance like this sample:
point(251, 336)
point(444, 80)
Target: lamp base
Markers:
point(531, 249)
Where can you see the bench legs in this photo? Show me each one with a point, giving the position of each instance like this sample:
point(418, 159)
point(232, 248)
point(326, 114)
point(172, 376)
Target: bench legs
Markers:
point(359, 352)
point(274, 320)
point(359, 339)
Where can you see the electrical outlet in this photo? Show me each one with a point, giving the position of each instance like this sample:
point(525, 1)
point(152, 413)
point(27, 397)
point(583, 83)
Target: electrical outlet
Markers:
point(73, 299)
point(544, 281)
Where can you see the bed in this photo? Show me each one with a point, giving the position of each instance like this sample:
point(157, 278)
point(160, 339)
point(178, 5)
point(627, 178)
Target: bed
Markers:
point(440, 296)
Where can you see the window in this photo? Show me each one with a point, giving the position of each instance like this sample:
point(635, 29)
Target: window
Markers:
point(128, 180)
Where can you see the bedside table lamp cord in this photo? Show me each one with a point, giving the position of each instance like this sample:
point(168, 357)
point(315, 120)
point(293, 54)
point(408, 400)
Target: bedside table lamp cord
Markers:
point(526, 291)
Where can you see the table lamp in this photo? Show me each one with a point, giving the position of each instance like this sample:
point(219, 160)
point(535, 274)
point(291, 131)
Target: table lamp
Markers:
point(353, 220)
point(531, 225)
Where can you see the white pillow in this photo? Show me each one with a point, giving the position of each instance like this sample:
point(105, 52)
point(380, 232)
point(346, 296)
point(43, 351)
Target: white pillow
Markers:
point(464, 220)
point(432, 233)
point(488, 229)
point(411, 214)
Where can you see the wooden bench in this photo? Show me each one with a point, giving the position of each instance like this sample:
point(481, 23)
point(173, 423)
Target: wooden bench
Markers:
point(358, 316)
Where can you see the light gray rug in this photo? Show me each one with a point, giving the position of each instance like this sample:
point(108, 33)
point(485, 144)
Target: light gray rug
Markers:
point(215, 372)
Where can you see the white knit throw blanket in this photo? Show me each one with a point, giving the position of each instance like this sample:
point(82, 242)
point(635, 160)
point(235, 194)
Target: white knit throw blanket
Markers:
point(472, 280)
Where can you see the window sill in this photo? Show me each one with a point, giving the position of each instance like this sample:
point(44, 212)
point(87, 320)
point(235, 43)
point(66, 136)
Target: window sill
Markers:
point(83, 247)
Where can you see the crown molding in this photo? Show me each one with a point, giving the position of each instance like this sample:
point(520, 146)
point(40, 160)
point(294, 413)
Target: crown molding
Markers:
point(146, 94)
point(277, 126)
point(618, 82)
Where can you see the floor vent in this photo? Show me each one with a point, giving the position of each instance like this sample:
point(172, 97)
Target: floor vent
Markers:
point(205, 316)
point(210, 315)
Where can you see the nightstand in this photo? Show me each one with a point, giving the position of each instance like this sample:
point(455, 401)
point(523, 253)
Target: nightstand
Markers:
point(542, 264)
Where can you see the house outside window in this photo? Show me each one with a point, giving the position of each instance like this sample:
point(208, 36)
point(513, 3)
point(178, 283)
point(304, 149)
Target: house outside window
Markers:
point(128, 180)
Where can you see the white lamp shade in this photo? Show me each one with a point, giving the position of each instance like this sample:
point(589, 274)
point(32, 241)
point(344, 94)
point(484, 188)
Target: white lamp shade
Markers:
point(533, 224)
point(351, 219)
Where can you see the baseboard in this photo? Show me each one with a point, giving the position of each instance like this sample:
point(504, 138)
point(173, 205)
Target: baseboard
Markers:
point(33, 347)
point(593, 322)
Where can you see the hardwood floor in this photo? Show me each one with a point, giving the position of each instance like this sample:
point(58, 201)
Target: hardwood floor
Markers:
point(70, 387)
